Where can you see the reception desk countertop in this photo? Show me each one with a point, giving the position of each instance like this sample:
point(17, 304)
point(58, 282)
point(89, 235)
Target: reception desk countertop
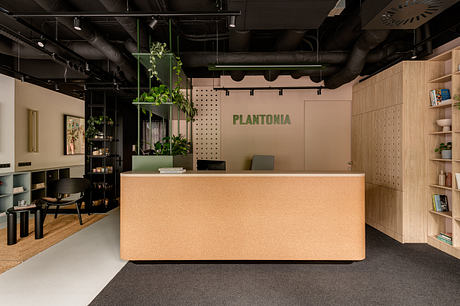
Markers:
point(247, 173)
point(245, 215)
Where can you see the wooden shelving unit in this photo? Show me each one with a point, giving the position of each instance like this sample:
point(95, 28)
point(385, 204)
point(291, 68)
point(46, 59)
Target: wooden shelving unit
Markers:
point(441, 72)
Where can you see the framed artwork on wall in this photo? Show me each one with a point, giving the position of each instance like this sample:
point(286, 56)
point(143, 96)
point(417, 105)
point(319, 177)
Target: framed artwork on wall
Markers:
point(74, 135)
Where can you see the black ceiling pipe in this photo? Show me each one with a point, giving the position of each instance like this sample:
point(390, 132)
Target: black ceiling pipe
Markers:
point(355, 63)
point(128, 23)
point(238, 42)
point(289, 40)
point(344, 36)
point(329, 70)
point(94, 37)
point(205, 58)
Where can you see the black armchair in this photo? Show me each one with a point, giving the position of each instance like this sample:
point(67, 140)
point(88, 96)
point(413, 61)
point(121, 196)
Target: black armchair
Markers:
point(63, 187)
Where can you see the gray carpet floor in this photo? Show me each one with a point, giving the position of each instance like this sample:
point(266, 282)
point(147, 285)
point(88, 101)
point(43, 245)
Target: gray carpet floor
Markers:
point(392, 274)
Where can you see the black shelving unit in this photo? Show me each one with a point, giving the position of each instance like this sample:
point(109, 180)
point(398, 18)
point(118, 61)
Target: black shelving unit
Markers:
point(103, 170)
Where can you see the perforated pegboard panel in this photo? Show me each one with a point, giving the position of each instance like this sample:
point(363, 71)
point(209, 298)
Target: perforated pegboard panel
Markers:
point(387, 156)
point(206, 127)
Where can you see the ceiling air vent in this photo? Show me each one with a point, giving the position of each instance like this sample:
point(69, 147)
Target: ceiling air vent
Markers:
point(400, 14)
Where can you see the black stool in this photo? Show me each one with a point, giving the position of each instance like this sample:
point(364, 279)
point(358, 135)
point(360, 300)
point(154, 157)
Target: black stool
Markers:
point(11, 214)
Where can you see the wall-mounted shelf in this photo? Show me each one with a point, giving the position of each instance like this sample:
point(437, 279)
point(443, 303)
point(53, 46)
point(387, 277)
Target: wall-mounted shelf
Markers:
point(440, 133)
point(443, 79)
point(446, 214)
point(443, 105)
point(441, 187)
point(441, 160)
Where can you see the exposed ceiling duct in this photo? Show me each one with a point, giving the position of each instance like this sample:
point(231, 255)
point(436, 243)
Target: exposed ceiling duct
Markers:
point(128, 23)
point(111, 51)
point(289, 40)
point(400, 14)
point(355, 63)
point(287, 14)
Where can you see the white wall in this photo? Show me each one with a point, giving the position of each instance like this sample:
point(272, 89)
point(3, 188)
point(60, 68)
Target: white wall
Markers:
point(286, 142)
point(51, 107)
point(6, 122)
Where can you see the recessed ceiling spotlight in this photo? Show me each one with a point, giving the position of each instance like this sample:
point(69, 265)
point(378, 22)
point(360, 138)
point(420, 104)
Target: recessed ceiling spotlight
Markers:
point(56, 87)
point(414, 54)
point(251, 92)
point(319, 92)
point(280, 92)
point(232, 22)
point(76, 24)
point(153, 23)
point(227, 93)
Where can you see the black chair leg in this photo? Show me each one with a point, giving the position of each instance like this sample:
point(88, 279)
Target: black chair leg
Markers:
point(56, 212)
point(44, 214)
point(78, 211)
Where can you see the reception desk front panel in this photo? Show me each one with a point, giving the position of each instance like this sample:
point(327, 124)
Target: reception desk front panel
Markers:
point(242, 216)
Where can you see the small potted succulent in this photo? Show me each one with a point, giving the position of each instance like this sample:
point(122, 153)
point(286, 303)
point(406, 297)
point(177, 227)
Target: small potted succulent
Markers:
point(445, 149)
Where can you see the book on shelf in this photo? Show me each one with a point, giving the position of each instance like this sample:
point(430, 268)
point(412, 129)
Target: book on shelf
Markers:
point(439, 96)
point(440, 203)
point(445, 239)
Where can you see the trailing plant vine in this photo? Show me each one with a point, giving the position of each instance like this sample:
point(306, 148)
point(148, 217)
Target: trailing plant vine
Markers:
point(93, 123)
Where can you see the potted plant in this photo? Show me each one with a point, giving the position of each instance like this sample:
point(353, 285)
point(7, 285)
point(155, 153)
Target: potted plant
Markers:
point(92, 125)
point(445, 149)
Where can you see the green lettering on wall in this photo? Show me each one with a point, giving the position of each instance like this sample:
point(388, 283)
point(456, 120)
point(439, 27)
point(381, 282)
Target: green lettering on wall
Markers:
point(248, 120)
point(287, 120)
point(241, 120)
point(263, 119)
point(282, 119)
point(255, 119)
point(269, 119)
point(276, 119)
point(235, 118)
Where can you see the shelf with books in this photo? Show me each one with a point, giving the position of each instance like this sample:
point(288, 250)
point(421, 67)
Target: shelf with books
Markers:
point(442, 79)
point(442, 105)
point(446, 214)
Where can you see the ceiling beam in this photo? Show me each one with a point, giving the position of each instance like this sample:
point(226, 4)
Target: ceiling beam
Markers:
point(218, 14)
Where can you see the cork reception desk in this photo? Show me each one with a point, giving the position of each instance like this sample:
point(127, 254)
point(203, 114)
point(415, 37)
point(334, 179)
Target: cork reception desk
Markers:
point(248, 215)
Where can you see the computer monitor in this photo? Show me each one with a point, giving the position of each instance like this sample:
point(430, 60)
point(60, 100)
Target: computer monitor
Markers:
point(203, 164)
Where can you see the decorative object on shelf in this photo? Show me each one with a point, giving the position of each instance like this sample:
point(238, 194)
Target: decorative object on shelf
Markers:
point(445, 124)
point(18, 189)
point(93, 121)
point(38, 185)
point(442, 179)
point(457, 178)
point(74, 135)
point(449, 179)
point(457, 99)
point(445, 237)
point(445, 149)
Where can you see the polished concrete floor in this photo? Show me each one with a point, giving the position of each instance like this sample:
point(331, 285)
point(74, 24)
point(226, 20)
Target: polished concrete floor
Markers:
point(72, 272)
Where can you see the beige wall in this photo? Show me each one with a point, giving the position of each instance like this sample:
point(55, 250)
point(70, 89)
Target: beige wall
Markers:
point(287, 142)
point(6, 122)
point(51, 106)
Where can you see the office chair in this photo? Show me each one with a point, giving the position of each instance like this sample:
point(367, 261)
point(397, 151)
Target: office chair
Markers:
point(263, 162)
point(63, 187)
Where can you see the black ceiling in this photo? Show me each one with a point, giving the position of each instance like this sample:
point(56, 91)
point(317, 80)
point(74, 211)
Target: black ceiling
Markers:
point(274, 29)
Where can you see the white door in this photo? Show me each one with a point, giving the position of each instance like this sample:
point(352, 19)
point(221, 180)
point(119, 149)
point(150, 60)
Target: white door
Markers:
point(327, 135)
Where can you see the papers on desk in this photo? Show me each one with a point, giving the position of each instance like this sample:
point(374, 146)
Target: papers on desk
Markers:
point(177, 170)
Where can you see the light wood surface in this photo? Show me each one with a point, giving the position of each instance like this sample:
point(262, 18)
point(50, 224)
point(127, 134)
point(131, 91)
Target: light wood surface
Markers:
point(388, 145)
point(242, 218)
point(54, 230)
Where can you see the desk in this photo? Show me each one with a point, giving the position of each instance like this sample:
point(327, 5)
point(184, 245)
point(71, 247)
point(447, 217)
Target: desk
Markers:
point(248, 215)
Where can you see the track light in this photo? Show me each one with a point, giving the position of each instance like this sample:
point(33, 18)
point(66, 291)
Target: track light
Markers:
point(76, 24)
point(280, 92)
point(22, 78)
point(41, 42)
point(56, 87)
point(414, 54)
point(251, 92)
point(153, 23)
point(319, 92)
point(227, 93)
point(232, 22)
point(86, 66)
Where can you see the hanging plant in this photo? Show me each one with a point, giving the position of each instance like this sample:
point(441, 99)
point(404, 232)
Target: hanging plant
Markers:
point(157, 51)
